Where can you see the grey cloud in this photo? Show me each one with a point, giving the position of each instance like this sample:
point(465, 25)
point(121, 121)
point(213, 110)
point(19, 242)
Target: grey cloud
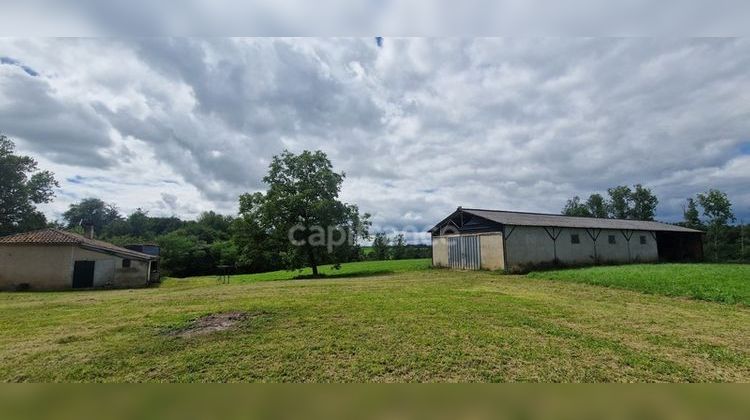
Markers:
point(69, 133)
point(422, 126)
point(412, 18)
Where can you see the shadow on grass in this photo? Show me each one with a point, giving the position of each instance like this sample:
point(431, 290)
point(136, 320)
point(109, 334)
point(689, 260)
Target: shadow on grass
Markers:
point(372, 273)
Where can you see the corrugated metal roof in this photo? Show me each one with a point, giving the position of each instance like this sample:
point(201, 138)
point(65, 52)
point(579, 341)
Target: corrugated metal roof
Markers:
point(62, 237)
point(556, 220)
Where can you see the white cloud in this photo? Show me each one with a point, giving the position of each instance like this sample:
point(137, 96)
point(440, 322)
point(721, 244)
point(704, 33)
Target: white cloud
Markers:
point(420, 126)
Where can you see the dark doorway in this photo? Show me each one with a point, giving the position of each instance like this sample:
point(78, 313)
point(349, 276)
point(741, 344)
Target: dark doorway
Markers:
point(679, 246)
point(83, 274)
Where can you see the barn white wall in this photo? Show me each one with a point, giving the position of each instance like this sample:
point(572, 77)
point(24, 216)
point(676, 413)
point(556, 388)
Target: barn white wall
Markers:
point(491, 247)
point(531, 245)
point(439, 251)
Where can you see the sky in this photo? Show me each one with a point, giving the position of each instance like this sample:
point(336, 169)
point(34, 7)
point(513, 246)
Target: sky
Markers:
point(177, 126)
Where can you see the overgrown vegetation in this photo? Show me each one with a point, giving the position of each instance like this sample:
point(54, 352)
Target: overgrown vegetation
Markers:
point(422, 325)
point(725, 283)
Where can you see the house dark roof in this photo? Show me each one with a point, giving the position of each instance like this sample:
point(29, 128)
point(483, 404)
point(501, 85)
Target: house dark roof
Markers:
point(62, 237)
point(516, 218)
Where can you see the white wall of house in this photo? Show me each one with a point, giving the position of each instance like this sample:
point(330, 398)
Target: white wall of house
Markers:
point(46, 267)
point(50, 267)
point(109, 270)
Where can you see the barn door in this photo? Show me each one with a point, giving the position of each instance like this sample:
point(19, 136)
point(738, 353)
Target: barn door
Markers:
point(83, 274)
point(464, 253)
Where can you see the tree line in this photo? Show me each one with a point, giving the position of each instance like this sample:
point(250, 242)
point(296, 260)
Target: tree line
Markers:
point(710, 211)
point(386, 248)
point(297, 222)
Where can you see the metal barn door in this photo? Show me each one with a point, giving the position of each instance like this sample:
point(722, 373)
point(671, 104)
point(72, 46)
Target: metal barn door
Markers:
point(463, 252)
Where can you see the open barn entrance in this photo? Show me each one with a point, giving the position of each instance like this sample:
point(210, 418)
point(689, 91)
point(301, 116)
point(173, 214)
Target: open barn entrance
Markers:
point(679, 246)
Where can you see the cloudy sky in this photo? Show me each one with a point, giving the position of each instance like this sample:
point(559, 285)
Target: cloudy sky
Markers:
point(420, 126)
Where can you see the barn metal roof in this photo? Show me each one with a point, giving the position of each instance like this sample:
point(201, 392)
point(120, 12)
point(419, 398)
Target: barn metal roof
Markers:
point(61, 237)
point(516, 218)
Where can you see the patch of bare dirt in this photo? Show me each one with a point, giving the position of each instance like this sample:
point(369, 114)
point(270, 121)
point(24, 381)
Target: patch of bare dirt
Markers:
point(212, 323)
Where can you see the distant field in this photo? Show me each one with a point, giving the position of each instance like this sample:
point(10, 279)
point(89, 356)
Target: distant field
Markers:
point(725, 283)
point(355, 269)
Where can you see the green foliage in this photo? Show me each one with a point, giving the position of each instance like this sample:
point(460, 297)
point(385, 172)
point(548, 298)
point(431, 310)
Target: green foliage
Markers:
point(298, 212)
point(597, 206)
point(22, 186)
point(619, 204)
point(718, 212)
point(716, 207)
point(725, 283)
point(399, 247)
point(574, 207)
point(638, 203)
point(644, 204)
point(384, 248)
point(92, 211)
point(183, 253)
point(381, 246)
point(691, 216)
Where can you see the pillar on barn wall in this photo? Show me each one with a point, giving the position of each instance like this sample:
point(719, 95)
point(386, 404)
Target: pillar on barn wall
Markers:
point(627, 234)
point(554, 233)
point(594, 235)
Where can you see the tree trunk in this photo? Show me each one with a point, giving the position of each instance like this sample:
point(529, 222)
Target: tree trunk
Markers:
point(311, 260)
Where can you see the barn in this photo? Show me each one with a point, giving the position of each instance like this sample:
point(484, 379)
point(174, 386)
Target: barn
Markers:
point(54, 259)
point(517, 241)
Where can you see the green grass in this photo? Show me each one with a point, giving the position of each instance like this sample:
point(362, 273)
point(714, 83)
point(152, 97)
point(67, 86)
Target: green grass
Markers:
point(418, 324)
point(725, 283)
point(357, 269)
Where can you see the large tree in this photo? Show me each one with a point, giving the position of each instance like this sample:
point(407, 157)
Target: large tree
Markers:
point(399, 247)
point(691, 215)
point(718, 211)
point(574, 207)
point(301, 212)
point(381, 246)
point(22, 187)
point(597, 206)
point(644, 203)
point(620, 202)
point(638, 203)
point(92, 211)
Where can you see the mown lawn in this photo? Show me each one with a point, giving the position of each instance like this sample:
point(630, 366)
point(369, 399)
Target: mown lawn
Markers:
point(725, 283)
point(420, 325)
point(360, 269)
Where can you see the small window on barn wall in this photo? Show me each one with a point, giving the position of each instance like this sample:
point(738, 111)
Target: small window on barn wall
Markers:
point(125, 263)
point(612, 239)
point(575, 239)
point(643, 239)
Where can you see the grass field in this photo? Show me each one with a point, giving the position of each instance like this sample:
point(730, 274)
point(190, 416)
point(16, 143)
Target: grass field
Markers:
point(726, 283)
point(360, 269)
point(399, 322)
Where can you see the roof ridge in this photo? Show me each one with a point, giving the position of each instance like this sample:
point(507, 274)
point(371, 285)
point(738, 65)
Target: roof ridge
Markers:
point(52, 235)
point(562, 215)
